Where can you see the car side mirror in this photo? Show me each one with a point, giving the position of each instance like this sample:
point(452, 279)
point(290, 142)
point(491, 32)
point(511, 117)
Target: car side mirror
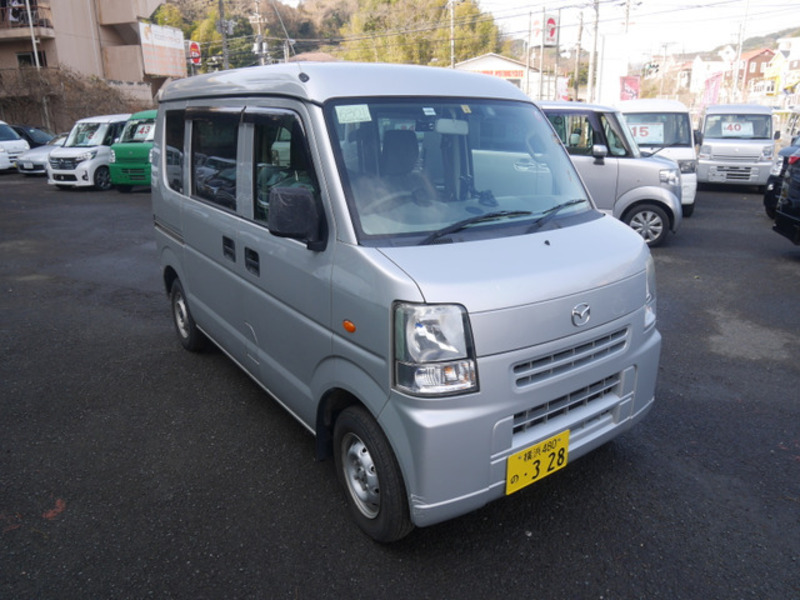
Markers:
point(294, 213)
point(698, 137)
point(777, 135)
point(599, 151)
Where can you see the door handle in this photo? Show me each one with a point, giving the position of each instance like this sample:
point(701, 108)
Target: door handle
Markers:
point(251, 261)
point(228, 248)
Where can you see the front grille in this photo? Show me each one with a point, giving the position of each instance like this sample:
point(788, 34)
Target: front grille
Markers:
point(134, 174)
point(63, 164)
point(738, 157)
point(736, 173)
point(564, 361)
point(581, 398)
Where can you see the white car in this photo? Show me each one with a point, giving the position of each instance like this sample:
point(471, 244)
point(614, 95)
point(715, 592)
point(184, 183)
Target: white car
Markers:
point(34, 161)
point(84, 158)
point(11, 146)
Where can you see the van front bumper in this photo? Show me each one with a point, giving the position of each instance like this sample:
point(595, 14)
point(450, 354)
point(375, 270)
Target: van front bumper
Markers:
point(709, 171)
point(454, 451)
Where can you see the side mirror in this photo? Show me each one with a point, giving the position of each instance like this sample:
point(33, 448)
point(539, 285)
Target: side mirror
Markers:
point(294, 213)
point(599, 151)
point(777, 135)
point(698, 137)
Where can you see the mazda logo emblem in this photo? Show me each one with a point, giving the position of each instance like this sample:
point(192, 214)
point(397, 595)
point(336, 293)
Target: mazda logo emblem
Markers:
point(581, 314)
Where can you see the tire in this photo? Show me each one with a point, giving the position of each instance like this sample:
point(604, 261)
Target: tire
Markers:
point(688, 210)
point(125, 189)
point(190, 336)
point(368, 471)
point(649, 221)
point(102, 179)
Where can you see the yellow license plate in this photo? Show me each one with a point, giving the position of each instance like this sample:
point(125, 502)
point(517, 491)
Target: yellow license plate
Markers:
point(536, 462)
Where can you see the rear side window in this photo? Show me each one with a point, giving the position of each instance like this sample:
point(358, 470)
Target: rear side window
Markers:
point(174, 128)
point(213, 155)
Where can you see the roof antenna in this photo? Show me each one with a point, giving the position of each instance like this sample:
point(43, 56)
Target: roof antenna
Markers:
point(288, 44)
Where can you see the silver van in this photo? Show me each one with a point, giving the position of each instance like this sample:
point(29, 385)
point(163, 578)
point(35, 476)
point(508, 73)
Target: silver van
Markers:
point(406, 260)
point(737, 145)
point(642, 191)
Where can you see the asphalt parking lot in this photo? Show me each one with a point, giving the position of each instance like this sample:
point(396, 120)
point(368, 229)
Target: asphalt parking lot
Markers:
point(130, 468)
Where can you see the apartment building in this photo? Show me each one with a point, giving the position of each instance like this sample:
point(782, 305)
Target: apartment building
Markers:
point(104, 39)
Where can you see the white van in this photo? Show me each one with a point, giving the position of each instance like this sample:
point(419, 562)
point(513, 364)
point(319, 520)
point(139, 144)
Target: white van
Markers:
point(11, 146)
point(406, 259)
point(664, 127)
point(737, 145)
point(84, 158)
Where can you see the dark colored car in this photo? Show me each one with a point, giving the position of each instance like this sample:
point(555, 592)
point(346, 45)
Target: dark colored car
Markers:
point(775, 181)
point(35, 136)
point(787, 212)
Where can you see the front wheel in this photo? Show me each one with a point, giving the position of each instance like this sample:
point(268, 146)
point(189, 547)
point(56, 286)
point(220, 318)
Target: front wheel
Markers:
point(102, 179)
point(368, 471)
point(649, 221)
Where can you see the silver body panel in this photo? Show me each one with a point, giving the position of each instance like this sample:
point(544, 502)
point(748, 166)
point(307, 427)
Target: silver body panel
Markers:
point(283, 325)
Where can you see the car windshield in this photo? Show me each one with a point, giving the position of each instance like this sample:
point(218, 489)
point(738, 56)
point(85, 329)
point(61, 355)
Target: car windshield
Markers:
point(86, 135)
point(139, 130)
point(660, 129)
point(437, 170)
point(7, 134)
point(746, 127)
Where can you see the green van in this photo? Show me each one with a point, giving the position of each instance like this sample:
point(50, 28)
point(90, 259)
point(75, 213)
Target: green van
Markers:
point(130, 155)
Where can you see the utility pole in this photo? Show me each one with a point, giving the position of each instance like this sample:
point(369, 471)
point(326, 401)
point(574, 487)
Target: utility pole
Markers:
point(528, 56)
point(575, 84)
point(223, 28)
point(558, 54)
point(541, 55)
point(452, 5)
point(593, 57)
point(737, 66)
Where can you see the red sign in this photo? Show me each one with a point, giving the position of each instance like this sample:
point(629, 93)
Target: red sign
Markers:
point(194, 53)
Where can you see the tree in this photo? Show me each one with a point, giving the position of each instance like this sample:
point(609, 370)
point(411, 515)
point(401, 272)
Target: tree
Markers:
point(170, 15)
point(416, 32)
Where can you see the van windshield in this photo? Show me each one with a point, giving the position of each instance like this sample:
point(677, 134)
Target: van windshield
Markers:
point(437, 170)
point(660, 129)
point(86, 134)
point(736, 126)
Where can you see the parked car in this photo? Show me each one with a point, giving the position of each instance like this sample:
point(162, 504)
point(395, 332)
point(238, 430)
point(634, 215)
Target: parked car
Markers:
point(787, 212)
point(11, 146)
point(776, 175)
point(664, 127)
point(83, 159)
point(130, 155)
point(34, 161)
point(35, 136)
point(642, 191)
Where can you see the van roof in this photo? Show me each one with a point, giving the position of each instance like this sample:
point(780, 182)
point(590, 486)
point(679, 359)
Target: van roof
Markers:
point(105, 118)
point(567, 105)
point(318, 82)
point(646, 105)
point(715, 109)
point(145, 114)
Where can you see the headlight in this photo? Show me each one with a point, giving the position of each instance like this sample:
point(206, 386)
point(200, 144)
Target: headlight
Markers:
point(113, 158)
point(650, 294)
point(777, 166)
point(687, 166)
point(433, 351)
point(86, 156)
point(767, 152)
point(705, 153)
point(2, 150)
point(670, 176)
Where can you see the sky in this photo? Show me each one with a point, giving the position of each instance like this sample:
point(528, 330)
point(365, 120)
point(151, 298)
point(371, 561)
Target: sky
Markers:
point(681, 25)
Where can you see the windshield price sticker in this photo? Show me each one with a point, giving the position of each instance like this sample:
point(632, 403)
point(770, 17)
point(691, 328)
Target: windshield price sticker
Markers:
point(737, 129)
point(537, 462)
point(353, 113)
point(648, 133)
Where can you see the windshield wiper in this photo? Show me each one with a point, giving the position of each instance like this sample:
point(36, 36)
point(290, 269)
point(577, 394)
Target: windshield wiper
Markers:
point(459, 225)
point(552, 212)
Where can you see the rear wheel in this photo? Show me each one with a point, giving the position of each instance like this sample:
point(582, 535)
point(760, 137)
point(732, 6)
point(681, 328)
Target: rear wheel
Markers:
point(190, 336)
point(649, 221)
point(368, 471)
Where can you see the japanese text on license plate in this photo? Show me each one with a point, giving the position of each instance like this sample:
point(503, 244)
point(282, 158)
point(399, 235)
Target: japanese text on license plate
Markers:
point(536, 462)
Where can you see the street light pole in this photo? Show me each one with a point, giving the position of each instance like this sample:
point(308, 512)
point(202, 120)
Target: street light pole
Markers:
point(224, 31)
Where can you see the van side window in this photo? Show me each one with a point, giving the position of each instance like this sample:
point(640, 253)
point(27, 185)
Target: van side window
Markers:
point(281, 159)
point(213, 155)
point(174, 127)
